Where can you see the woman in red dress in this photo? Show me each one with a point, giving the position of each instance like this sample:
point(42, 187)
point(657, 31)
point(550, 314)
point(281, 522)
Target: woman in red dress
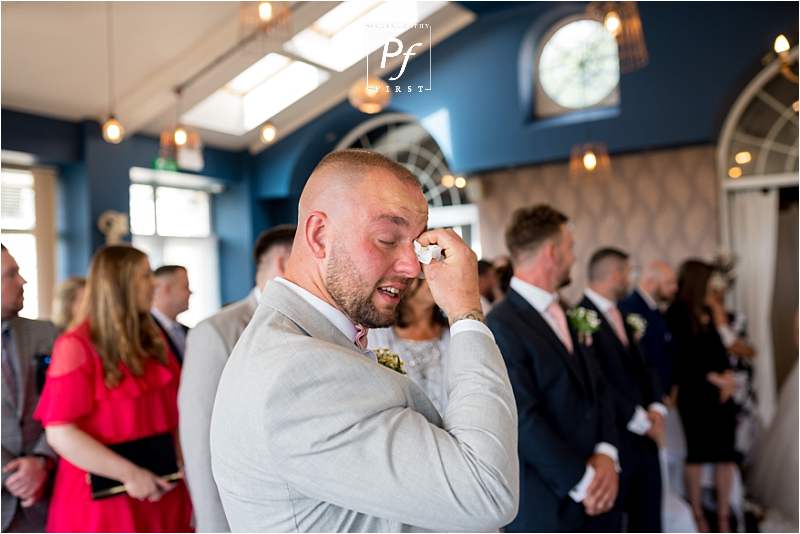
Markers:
point(112, 380)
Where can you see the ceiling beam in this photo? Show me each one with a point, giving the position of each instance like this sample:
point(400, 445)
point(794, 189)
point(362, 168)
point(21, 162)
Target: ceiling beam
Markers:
point(443, 23)
point(156, 96)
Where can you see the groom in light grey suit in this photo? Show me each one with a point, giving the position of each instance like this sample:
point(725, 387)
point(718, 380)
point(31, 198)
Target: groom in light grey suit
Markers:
point(309, 432)
point(208, 346)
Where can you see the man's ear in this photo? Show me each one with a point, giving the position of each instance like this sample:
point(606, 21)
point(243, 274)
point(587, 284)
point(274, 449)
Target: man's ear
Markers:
point(315, 232)
point(280, 264)
point(550, 250)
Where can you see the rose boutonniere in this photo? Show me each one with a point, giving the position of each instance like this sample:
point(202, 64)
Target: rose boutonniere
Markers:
point(637, 323)
point(389, 359)
point(585, 322)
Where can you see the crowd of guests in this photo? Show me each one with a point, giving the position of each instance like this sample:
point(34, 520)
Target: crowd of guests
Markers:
point(593, 384)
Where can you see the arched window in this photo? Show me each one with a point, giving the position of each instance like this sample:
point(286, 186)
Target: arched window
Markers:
point(577, 67)
point(402, 138)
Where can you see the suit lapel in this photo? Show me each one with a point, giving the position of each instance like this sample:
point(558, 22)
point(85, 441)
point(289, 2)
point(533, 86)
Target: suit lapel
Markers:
point(581, 356)
point(22, 364)
point(531, 316)
point(283, 299)
point(605, 326)
point(171, 344)
point(630, 353)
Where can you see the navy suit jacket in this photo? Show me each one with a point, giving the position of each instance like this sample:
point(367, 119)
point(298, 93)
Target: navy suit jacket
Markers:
point(178, 354)
point(656, 343)
point(563, 411)
point(632, 380)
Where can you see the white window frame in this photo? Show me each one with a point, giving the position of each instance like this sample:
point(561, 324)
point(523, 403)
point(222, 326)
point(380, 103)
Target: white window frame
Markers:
point(45, 189)
point(157, 242)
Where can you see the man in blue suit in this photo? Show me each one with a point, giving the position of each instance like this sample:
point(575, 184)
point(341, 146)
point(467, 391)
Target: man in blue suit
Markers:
point(657, 287)
point(634, 387)
point(567, 437)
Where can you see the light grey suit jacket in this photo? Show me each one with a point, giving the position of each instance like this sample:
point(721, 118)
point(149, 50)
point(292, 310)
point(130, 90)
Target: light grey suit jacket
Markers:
point(208, 346)
point(310, 434)
point(21, 435)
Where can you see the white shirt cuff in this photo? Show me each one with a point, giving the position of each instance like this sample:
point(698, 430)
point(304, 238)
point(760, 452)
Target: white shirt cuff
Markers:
point(578, 493)
point(727, 335)
point(639, 423)
point(610, 451)
point(470, 325)
point(658, 407)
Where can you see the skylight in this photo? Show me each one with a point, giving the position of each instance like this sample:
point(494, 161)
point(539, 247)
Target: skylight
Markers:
point(261, 91)
point(340, 38)
point(257, 73)
point(280, 92)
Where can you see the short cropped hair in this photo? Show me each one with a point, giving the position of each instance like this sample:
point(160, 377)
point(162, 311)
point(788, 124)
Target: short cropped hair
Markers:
point(277, 236)
point(604, 258)
point(360, 160)
point(167, 270)
point(531, 226)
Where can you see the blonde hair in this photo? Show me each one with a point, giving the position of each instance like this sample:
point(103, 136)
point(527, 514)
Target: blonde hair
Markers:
point(65, 300)
point(120, 332)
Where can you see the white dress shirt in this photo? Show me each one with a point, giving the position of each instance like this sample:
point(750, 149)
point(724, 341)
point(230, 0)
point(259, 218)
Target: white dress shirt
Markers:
point(346, 326)
point(640, 422)
point(541, 300)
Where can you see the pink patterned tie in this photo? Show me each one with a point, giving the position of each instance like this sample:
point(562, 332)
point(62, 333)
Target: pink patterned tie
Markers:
point(557, 314)
point(619, 326)
point(361, 336)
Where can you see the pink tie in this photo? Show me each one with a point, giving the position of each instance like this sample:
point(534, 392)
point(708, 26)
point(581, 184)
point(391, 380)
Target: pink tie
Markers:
point(557, 314)
point(361, 336)
point(619, 327)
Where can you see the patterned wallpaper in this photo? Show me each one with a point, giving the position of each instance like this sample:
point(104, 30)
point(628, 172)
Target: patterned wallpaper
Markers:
point(658, 204)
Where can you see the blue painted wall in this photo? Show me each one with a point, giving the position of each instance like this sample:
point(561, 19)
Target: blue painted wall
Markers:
point(701, 55)
point(94, 176)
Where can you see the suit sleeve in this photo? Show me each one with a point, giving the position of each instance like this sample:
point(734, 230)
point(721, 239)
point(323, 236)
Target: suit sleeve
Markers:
point(656, 387)
point(50, 333)
point(624, 407)
point(365, 448)
point(608, 422)
point(554, 459)
point(205, 358)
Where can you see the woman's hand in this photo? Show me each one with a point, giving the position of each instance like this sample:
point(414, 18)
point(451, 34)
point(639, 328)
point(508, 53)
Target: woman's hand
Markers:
point(726, 382)
point(142, 484)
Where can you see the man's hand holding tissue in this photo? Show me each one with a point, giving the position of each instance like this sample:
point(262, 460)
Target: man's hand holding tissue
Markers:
point(454, 278)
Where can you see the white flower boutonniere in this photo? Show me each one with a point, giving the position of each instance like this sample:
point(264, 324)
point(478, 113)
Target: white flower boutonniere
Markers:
point(637, 323)
point(389, 359)
point(585, 322)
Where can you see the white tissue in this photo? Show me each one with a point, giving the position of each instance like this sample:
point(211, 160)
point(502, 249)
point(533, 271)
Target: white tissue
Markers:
point(427, 254)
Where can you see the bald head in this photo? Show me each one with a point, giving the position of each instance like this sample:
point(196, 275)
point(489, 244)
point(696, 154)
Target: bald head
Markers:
point(340, 174)
point(358, 216)
point(658, 280)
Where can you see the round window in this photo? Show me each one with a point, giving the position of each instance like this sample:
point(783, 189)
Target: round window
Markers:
point(579, 64)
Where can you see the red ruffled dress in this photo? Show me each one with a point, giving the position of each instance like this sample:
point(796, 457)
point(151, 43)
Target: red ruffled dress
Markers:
point(75, 392)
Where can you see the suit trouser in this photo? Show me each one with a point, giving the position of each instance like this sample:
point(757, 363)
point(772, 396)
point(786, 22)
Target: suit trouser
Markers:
point(27, 520)
point(640, 490)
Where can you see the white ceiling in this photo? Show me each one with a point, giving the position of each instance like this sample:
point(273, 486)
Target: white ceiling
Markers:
point(54, 60)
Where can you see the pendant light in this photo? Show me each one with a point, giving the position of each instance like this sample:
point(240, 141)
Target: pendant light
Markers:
point(113, 131)
point(622, 20)
point(370, 95)
point(589, 159)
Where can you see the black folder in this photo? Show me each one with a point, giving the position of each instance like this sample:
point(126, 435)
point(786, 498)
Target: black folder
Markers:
point(154, 453)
